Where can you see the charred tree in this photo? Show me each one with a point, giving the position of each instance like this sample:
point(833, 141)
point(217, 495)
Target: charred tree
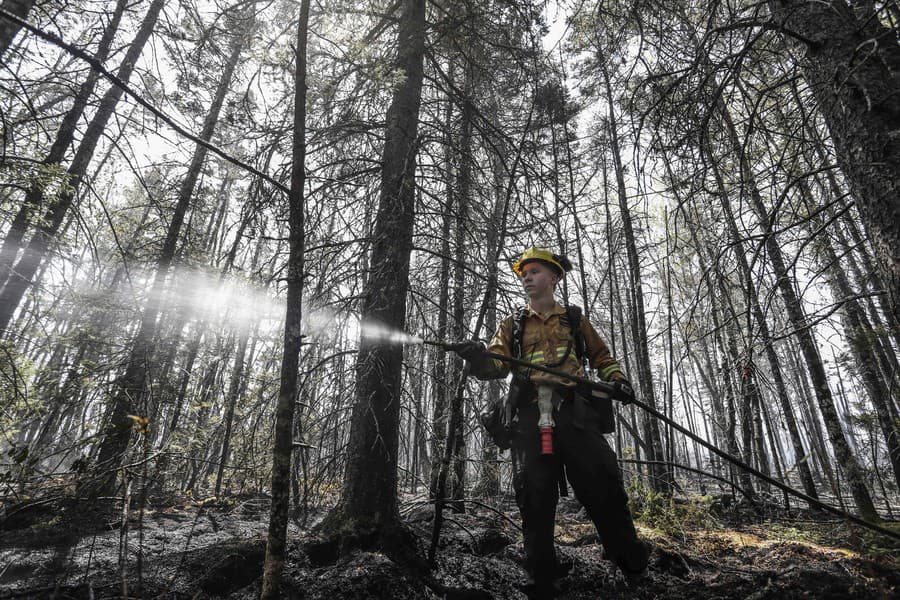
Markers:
point(65, 134)
point(860, 336)
point(231, 398)
point(662, 476)
point(819, 379)
point(456, 433)
point(283, 444)
point(439, 358)
point(489, 480)
point(368, 512)
point(799, 321)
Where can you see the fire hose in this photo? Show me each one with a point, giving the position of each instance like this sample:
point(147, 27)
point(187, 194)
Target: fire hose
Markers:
point(609, 389)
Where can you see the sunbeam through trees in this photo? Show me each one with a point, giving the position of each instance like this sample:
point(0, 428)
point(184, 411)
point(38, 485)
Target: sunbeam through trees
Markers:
point(248, 251)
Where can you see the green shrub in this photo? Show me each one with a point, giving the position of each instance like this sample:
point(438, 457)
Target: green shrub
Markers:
point(670, 515)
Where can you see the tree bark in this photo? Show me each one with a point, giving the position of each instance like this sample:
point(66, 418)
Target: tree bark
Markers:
point(8, 29)
point(282, 450)
point(852, 66)
point(368, 511)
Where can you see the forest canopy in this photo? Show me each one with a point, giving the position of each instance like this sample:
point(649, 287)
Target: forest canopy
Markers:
point(227, 226)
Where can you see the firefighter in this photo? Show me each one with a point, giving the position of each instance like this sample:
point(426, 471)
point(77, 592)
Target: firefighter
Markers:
point(557, 428)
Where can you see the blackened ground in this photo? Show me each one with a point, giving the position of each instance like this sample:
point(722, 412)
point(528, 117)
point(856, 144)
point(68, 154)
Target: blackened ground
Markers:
point(186, 549)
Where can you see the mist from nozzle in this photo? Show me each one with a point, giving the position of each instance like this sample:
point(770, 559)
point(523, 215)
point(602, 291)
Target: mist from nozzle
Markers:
point(387, 335)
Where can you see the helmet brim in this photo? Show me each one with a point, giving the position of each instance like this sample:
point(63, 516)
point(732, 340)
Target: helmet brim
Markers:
point(557, 268)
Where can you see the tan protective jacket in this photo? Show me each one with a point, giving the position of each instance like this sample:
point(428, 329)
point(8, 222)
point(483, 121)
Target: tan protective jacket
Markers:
point(545, 341)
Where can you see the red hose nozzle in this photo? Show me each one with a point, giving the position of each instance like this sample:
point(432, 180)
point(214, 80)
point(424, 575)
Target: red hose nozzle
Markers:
point(546, 440)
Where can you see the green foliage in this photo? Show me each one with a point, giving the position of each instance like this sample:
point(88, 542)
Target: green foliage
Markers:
point(850, 539)
point(21, 466)
point(52, 179)
point(668, 514)
point(15, 371)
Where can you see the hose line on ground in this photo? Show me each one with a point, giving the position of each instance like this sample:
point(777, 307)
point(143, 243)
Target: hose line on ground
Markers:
point(608, 388)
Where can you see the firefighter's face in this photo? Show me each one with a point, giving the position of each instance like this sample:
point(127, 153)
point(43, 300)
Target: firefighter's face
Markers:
point(538, 279)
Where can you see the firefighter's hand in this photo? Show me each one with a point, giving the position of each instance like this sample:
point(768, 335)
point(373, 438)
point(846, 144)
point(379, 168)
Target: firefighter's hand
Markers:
point(622, 391)
point(471, 351)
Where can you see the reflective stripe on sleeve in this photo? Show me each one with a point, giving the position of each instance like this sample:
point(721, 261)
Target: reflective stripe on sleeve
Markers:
point(536, 357)
point(607, 372)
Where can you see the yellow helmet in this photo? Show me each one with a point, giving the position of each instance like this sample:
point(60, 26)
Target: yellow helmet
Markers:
point(559, 263)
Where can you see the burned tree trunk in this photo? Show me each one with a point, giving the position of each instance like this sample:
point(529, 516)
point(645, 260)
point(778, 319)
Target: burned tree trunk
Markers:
point(861, 338)
point(456, 432)
point(798, 319)
point(439, 358)
point(368, 512)
point(293, 339)
point(663, 477)
point(234, 390)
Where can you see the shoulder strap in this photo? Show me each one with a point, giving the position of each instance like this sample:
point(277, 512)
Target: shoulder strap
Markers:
point(573, 318)
point(518, 331)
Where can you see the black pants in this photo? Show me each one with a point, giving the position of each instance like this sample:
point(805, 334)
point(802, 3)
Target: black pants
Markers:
point(596, 479)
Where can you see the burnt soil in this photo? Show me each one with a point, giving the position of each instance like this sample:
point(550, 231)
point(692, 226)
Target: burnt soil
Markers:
point(182, 548)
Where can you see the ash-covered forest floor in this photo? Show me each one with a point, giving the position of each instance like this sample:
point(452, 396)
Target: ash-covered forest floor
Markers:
point(182, 548)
